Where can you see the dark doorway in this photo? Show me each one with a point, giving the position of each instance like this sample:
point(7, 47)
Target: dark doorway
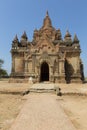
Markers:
point(44, 75)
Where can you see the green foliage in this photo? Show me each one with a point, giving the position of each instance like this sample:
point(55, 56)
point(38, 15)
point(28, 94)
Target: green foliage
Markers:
point(3, 73)
point(1, 63)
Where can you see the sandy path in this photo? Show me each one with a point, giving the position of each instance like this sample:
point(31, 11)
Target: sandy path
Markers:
point(42, 112)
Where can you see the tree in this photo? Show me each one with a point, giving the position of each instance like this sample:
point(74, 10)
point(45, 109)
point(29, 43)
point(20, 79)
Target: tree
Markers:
point(1, 63)
point(3, 73)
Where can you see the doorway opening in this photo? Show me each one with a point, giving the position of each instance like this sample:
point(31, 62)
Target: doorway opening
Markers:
point(44, 75)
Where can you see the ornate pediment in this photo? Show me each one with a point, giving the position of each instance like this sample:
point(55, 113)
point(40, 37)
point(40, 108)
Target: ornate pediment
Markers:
point(45, 45)
point(45, 58)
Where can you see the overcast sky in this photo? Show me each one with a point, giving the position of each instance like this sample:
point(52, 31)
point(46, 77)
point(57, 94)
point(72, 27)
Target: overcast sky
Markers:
point(17, 16)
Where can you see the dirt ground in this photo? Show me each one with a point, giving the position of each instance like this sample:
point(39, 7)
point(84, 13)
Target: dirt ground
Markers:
point(76, 109)
point(10, 105)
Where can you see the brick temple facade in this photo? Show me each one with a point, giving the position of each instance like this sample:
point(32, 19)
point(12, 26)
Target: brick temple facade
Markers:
point(48, 57)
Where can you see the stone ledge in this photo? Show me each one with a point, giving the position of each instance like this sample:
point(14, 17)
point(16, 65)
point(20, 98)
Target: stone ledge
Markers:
point(15, 80)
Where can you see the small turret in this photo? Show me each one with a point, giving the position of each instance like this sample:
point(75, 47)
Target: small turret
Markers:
point(67, 38)
point(24, 36)
point(24, 40)
point(15, 39)
point(75, 40)
point(35, 36)
point(15, 42)
point(58, 35)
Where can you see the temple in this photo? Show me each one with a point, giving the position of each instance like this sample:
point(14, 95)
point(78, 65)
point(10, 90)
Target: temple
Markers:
point(48, 57)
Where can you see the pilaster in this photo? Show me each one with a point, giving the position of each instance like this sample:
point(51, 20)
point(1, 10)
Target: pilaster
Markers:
point(61, 76)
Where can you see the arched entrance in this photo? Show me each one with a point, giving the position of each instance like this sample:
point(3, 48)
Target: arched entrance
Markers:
point(44, 73)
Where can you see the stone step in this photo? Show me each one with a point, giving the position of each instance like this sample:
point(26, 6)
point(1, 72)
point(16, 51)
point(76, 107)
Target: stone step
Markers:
point(42, 88)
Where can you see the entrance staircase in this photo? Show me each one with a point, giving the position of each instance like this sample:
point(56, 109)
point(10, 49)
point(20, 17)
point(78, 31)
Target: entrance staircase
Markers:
point(44, 87)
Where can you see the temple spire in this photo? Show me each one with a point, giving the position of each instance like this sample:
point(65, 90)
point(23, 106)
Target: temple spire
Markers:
point(15, 39)
point(24, 36)
point(75, 40)
point(47, 21)
point(15, 42)
point(68, 38)
point(47, 14)
point(67, 34)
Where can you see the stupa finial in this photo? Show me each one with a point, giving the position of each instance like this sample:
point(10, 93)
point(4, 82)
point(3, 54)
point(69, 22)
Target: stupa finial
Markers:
point(47, 14)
